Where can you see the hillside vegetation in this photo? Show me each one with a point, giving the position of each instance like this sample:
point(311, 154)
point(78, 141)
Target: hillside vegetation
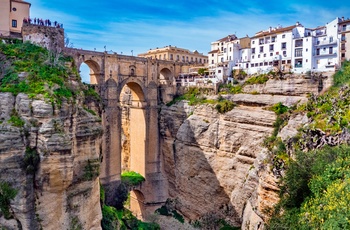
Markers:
point(28, 68)
point(316, 180)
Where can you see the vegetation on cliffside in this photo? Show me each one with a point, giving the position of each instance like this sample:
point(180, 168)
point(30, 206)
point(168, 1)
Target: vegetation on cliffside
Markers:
point(196, 96)
point(316, 183)
point(34, 70)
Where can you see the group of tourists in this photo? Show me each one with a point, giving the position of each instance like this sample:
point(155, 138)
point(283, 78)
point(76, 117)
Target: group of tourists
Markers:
point(41, 22)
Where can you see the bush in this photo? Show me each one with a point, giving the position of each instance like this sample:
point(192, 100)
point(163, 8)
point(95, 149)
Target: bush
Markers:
point(132, 178)
point(224, 106)
point(16, 121)
point(315, 179)
point(7, 193)
point(91, 170)
point(260, 79)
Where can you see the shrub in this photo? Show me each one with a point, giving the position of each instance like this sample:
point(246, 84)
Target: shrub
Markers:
point(7, 193)
point(31, 160)
point(132, 178)
point(260, 79)
point(16, 121)
point(91, 170)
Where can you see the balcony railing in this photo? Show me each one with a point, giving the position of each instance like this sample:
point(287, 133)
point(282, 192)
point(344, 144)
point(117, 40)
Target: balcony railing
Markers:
point(298, 65)
point(327, 42)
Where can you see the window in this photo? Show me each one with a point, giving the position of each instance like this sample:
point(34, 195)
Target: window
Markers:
point(253, 50)
point(222, 59)
point(177, 57)
point(230, 49)
point(264, 55)
point(271, 54)
point(344, 28)
point(259, 56)
point(261, 49)
point(212, 61)
point(284, 53)
point(271, 47)
point(253, 42)
point(14, 23)
point(330, 39)
point(261, 41)
point(330, 50)
point(342, 46)
point(298, 43)
point(343, 37)
point(261, 64)
point(187, 59)
point(230, 58)
point(222, 49)
point(252, 65)
point(171, 57)
point(200, 60)
point(298, 52)
point(252, 56)
point(212, 55)
point(273, 39)
point(306, 60)
point(219, 71)
point(191, 59)
point(306, 49)
point(343, 55)
point(284, 45)
point(14, 9)
point(283, 36)
point(318, 52)
point(225, 50)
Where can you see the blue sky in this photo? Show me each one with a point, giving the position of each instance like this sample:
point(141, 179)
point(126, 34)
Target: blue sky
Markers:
point(138, 25)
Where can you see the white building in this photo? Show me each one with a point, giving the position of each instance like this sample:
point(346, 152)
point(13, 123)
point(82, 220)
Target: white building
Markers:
point(344, 38)
point(271, 49)
point(225, 54)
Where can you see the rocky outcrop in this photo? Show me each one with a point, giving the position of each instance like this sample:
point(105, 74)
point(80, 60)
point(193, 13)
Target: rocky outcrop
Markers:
point(216, 164)
point(64, 186)
point(290, 86)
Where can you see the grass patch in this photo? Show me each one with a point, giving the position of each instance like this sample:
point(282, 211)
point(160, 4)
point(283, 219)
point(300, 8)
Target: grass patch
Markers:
point(132, 178)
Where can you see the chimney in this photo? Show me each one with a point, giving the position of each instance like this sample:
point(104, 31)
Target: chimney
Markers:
point(342, 18)
point(297, 24)
point(270, 29)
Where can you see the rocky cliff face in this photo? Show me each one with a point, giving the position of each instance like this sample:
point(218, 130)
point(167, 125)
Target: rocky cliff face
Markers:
point(64, 186)
point(215, 163)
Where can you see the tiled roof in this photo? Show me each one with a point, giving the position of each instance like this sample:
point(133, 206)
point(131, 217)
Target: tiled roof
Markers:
point(228, 38)
point(275, 31)
point(214, 51)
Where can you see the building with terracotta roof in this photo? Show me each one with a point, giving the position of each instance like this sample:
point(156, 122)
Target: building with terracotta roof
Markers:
point(12, 14)
point(344, 37)
point(173, 53)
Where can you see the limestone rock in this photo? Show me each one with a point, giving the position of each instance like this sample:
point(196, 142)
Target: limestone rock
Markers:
point(266, 99)
point(65, 142)
point(291, 86)
point(291, 129)
point(210, 159)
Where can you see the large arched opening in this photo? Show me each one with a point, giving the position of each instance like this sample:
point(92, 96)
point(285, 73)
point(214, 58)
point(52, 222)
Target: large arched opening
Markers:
point(90, 71)
point(133, 138)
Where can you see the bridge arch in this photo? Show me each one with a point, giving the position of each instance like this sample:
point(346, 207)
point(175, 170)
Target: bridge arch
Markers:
point(95, 71)
point(165, 76)
point(137, 203)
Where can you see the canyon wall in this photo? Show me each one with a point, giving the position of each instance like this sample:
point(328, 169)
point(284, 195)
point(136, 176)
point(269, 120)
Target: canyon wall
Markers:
point(216, 164)
point(62, 190)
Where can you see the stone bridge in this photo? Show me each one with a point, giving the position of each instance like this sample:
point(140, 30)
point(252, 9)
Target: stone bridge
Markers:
point(149, 83)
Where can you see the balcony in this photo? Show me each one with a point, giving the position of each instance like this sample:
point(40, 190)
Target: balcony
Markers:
point(326, 43)
point(325, 54)
point(298, 65)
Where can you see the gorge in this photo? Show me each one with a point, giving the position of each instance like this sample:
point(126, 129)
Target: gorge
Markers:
point(60, 139)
